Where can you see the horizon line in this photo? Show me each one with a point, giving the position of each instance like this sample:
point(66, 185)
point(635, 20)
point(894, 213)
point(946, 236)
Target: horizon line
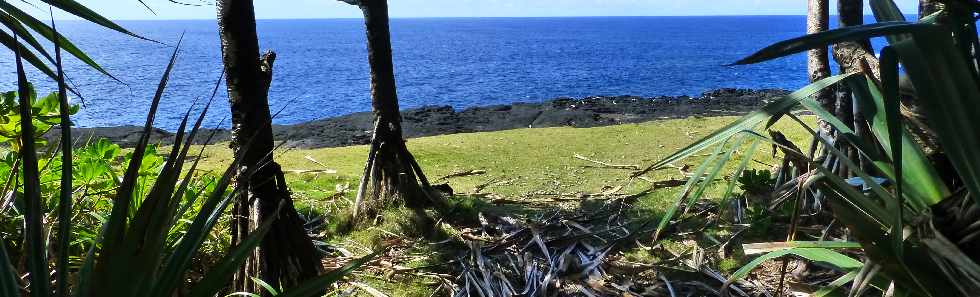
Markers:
point(472, 17)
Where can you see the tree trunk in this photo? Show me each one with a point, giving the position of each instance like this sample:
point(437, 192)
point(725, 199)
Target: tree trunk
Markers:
point(849, 54)
point(818, 67)
point(853, 57)
point(286, 255)
point(391, 169)
point(818, 62)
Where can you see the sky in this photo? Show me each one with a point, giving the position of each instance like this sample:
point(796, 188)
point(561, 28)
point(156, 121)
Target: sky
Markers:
point(291, 9)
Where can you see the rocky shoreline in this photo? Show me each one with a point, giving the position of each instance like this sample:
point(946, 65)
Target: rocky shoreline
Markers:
point(355, 129)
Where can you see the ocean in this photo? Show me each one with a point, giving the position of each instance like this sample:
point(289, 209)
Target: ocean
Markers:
point(322, 69)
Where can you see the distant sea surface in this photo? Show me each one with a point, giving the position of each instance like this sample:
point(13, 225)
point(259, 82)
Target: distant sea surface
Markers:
point(322, 67)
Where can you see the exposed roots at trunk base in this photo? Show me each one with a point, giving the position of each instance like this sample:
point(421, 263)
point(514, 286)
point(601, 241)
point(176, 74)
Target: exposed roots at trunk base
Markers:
point(392, 176)
point(288, 257)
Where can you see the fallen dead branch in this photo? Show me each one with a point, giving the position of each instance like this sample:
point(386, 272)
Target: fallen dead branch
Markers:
point(462, 174)
point(368, 289)
point(301, 171)
point(492, 182)
point(607, 165)
point(668, 183)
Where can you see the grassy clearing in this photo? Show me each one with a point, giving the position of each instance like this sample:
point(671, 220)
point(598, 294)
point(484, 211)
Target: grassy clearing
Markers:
point(519, 164)
point(522, 165)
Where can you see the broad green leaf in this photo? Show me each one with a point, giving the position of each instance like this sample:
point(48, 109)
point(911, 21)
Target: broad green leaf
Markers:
point(765, 247)
point(920, 178)
point(887, 11)
point(836, 284)
point(753, 119)
point(838, 260)
point(822, 39)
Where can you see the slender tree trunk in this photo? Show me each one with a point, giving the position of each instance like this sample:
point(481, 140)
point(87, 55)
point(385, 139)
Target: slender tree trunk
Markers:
point(818, 17)
point(286, 255)
point(818, 67)
point(853, 57)
point(818, 62)
point(391, 169)
point(850, 54)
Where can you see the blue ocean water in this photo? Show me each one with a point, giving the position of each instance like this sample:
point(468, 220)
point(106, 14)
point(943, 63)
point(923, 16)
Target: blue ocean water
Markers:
point(322, 68)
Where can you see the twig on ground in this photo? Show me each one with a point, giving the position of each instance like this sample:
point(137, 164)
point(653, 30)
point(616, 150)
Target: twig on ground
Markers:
point(492, 182)
point(300, 171)
point(607, 165)
point(462, 174)
point(368, 289)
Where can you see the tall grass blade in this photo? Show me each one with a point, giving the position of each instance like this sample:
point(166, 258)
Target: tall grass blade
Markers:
point(744, 163)
point(221, 272)
point(83, 286)
point(836, 284)
point(183, 254)
point(890, 102)
point(114, 237)
point(887, 11)
point(852, 209)
point(79, 10)
point(316, 286)
point(64, 201)
point(880, 107)
point(949, 97)
point(146, 236)
point(22, 33)
point(712, 173)
point(152, 214)
point(36, 250)
point(685, 194)
point(190, 141)
point(8, 275)
point(25, 54)
point(52, 35)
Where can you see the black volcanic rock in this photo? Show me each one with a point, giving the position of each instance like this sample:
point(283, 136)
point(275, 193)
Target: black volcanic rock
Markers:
point(355, 129)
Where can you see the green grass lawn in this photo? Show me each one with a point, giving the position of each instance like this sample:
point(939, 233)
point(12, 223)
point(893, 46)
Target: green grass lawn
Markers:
point(519, 164)
point(522, 165)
